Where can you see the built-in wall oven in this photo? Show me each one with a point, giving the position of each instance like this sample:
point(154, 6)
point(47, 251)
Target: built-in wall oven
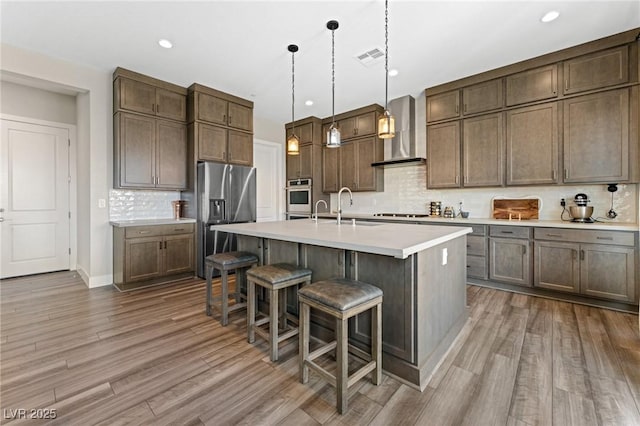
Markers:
point(298, 198)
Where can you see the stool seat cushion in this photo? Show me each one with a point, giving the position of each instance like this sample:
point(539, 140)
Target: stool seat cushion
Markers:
point(278, 272)
point(340, 293)
point(231, 258)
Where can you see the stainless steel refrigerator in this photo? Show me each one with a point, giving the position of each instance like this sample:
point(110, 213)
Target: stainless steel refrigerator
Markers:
point(226, 193)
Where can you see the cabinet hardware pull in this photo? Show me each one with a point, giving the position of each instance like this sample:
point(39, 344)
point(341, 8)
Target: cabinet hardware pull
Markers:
point(224, 117)
point(143, 232)
point(457, 178)
point(465, 107)
point(178, 229)
point(160, 245)
point(553, 174)
point(157, 109)
point(574, 254)
point(468, 266)
point(466, 179)
point(507, 232)
point(554, 235)
point(581, 254)
point(457, 108)
point(605, 238)
point(524, 250)
point(165, 244)
point(566, 174)
point(153, 107)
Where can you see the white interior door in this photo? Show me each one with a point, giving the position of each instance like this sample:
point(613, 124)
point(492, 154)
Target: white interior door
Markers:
point(269, 187)
point(34, 199)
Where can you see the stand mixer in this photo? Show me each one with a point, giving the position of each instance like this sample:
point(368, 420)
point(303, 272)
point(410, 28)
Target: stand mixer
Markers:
point(581, 212)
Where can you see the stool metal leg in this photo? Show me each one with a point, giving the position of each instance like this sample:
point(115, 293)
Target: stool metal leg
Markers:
point(208, 274)
point(303, 349)
point(342, 358)
point(240, 279)
point(251, 311)
point(225, 297)
point(273, 323)
point(376, 342)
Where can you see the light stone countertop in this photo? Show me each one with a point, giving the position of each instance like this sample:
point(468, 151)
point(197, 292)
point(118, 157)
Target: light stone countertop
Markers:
point(149, 222)
point(389, 239)
point(607, 226)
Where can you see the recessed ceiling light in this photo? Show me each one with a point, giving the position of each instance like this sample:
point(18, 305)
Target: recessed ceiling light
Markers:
point(308, 103)
point(165, 43)
point(393, 72)
point(550, 16)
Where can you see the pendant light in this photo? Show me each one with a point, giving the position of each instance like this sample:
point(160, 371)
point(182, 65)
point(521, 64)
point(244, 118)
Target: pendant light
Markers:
point(386, 123)
point(333, 134)
point(293, 142)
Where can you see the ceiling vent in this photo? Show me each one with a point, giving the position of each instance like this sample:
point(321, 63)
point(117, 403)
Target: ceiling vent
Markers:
point(370, 57)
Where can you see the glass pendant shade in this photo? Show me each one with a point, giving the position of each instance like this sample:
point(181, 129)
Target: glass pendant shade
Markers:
point(386, 126)
point(293, 145)
point(333, 137)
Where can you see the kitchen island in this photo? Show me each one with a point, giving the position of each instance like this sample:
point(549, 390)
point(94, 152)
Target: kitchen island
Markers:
point(421, 271)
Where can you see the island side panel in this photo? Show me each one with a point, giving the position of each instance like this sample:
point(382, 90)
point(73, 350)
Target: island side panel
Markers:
point(441, 302)
point(395, 278)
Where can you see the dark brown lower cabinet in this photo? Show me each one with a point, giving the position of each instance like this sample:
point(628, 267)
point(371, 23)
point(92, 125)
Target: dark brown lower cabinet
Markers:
point(145, 255)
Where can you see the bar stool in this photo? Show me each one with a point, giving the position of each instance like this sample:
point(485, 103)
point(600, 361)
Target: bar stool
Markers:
point(341, 298)
point(225, 262)
point(276, 279)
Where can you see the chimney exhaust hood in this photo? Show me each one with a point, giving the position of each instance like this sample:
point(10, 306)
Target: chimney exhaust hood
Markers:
point(402, 148)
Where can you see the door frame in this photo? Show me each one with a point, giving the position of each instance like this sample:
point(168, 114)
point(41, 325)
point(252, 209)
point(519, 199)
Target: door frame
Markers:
point(279, 170)
point(73, 199)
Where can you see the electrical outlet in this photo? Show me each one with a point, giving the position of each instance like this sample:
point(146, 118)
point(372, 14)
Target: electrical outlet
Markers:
point(563, 202)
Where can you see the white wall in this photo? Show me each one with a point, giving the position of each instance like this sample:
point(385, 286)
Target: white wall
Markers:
point(25, 101)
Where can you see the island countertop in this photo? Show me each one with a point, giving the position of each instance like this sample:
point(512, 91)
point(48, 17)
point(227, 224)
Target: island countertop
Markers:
point(390, 239)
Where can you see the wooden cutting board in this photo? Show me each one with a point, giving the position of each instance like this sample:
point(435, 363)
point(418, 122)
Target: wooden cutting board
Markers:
point(523, 208)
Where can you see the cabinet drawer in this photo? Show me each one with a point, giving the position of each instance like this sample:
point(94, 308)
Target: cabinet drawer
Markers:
point(583, 236)
point(479, 230)
point(477, 267)
point(143, 231)
point(157, 230)
point(476, 245)
point(510, 231)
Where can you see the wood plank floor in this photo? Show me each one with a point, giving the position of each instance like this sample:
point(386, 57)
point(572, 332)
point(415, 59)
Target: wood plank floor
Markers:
point(152, 356)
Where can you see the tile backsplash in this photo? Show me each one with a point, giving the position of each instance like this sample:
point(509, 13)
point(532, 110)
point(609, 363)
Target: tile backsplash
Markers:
point(405, 192)
point(126, 204)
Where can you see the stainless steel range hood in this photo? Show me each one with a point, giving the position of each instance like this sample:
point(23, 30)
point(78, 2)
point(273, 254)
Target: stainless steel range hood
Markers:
point(402, 150)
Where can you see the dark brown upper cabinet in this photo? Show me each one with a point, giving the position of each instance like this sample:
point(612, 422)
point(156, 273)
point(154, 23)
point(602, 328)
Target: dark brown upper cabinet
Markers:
point(482, 97)
point(443, 106)
point(597, 70)
point(533, 85)
point(137, 96)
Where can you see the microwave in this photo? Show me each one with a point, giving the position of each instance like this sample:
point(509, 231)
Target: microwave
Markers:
point(299, 196)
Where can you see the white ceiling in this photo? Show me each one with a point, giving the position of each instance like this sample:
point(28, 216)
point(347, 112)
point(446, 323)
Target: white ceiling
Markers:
point(240, 47)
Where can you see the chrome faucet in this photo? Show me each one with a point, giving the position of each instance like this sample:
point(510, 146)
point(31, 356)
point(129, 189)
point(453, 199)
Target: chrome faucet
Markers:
point(340, 205)
point(315, 215)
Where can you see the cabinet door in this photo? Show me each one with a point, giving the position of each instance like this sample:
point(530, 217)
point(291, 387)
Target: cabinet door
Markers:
point(143, 258)
point(608, 272)
point(240, 117)
point(443, 106)
point(599, 69)
point(556, 266)
point(348, 175)
point(306, 161)
point(443, 155)
point(366, 124)
point(482, 151)
point(212, 109)
point(240, 148)
point(330, 169)
point(532, 145)
point(482, 97)
point(533, 85)
point(137, 96)
point(510, 261)
point(304, 132)
point(178, 254)
point(293, 165)
point(596, 137)
point(136, 151)
point(171, 105)
point(171, 155)
point(347, 128)
point(366, 153)
point(212, 143)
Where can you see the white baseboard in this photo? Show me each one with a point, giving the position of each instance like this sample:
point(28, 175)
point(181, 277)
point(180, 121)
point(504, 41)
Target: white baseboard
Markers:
point(93, 282)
